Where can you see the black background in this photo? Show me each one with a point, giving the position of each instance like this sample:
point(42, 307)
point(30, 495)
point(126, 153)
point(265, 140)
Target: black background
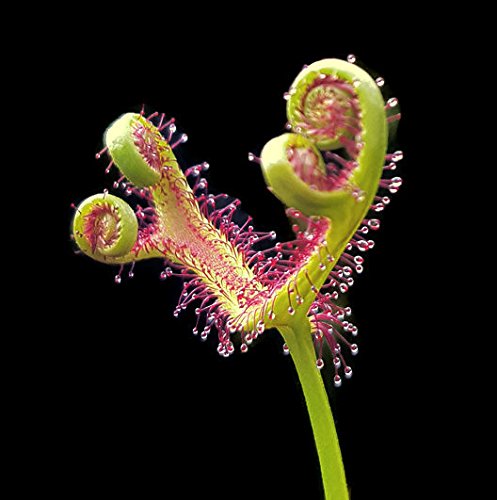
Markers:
point(128, 400)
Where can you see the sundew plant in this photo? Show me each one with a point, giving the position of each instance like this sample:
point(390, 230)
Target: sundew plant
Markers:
point(332, 172)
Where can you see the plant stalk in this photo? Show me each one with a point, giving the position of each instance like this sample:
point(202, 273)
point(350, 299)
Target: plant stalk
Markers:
point(299, 340)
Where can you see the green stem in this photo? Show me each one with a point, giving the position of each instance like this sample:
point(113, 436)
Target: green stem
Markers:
point(299, 340)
